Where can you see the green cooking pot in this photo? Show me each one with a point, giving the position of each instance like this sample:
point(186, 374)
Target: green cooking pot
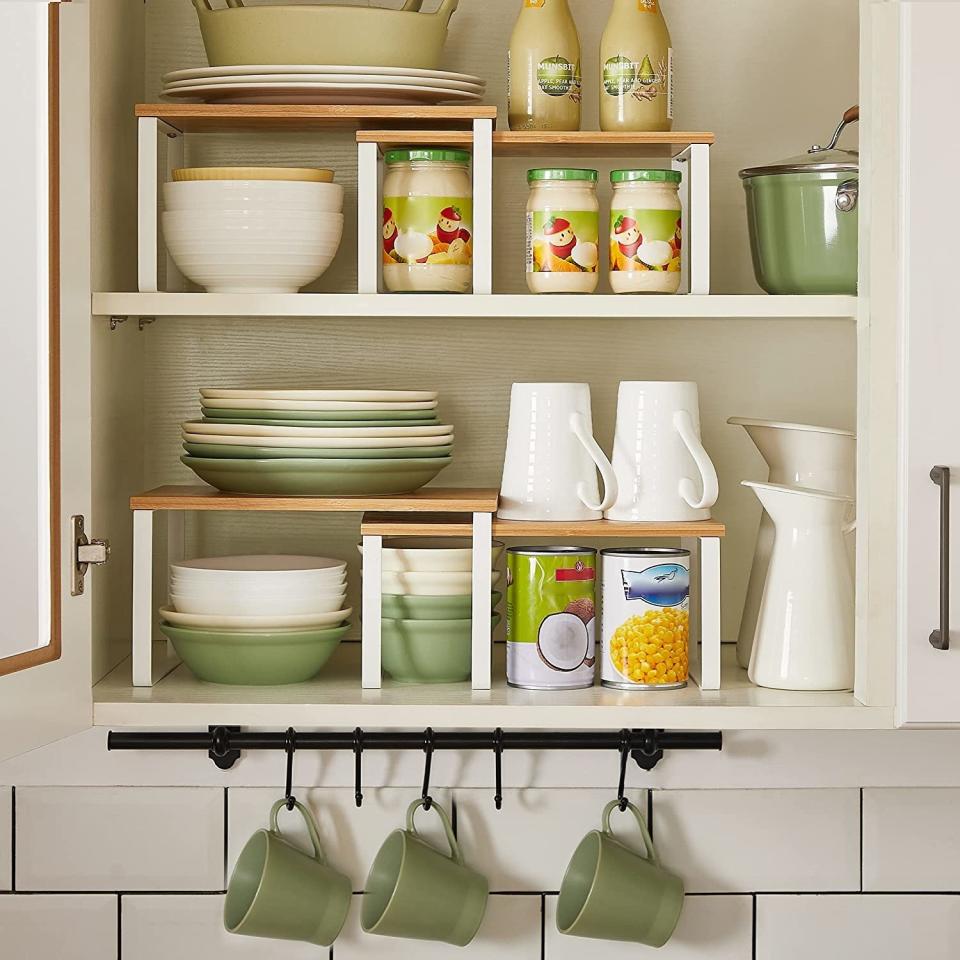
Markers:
point(802, 217)
point(312, 33)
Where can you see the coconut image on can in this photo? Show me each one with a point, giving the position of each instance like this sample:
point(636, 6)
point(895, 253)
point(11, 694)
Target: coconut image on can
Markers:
point(645, 618)
point(551, 617)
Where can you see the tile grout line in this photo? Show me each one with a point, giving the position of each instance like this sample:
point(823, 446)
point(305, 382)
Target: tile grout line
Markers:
point(13, 839)
point(650, 811)
point(753, 954)
point(543, 927)
point(119, 926)
point(226, 832)
point(861, 839)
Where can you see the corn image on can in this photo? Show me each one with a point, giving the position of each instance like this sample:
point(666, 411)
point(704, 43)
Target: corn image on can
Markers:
point(644, 618)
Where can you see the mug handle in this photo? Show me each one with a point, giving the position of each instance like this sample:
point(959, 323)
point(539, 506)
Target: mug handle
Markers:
point(683, 423)
point(578, 424)
point(651, 852)
point(455, 855)
point(318, 854)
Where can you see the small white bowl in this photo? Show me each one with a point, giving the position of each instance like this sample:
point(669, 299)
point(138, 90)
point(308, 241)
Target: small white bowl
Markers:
point(255, 607)
point(253, 195)
point(430, 555)
point(255, 624)
point(273, 565)
point(431, 584)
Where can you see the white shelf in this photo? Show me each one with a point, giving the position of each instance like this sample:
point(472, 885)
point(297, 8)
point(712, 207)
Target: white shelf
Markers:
point(451, 306)
point(335, 700)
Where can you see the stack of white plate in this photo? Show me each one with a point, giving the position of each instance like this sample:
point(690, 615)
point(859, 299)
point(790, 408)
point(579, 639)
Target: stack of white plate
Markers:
point(322, 84)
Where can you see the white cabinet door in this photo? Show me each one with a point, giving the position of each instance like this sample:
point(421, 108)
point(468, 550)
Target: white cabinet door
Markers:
point(929, 678)
point(44, 371)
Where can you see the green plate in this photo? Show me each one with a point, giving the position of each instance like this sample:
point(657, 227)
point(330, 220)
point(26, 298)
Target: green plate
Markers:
point(343, 424)
point(317, 478)
point(337, 415)
point(428, 651)
point(220, 451)
point(401, 607)
point(255, 659)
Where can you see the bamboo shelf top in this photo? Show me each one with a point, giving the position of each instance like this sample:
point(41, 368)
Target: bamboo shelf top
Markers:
point(234, 117)
point(430, 500)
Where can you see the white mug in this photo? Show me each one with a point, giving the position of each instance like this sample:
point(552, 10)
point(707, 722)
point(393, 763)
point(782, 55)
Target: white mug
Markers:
point(657, 453)
point(551, 463)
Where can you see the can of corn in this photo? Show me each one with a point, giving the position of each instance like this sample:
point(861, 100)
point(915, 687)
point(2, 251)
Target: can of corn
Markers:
point(644, 618)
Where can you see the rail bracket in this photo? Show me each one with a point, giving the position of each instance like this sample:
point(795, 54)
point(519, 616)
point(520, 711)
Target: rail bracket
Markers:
point(650, 752)
point(221, 753)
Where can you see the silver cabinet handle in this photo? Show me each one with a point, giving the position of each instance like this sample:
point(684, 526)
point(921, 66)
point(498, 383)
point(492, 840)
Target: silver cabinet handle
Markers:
point(940, 639)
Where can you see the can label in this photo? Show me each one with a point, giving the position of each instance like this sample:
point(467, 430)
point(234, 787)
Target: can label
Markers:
point(551, 618)
point(645, 620)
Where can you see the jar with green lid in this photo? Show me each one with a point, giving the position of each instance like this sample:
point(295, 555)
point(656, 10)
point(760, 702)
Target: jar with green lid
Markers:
point(645, 231)
point(427, 221)
point(563, 231)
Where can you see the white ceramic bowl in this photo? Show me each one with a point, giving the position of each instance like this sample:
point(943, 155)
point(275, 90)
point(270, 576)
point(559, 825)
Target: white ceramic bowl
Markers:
point(246, 606)
point(430, 555)
point(431, 584)
point(253, 195)
point(300, 589)
point(223, 598)
point(255, 624)
point(263, 566)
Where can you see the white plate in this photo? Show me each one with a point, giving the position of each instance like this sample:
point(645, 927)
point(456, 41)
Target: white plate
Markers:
point(310, 443)
point(270, 563)
point(321, 405)
point(199, 73)
point(321, 93)
point(296, 80)
point(254, 624)
point(246, 430)
point(431, 584)
point(257, 607)
point(382, 396)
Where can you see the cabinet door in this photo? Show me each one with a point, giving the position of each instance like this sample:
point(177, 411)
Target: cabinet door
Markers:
point(44, 361)
point(929, 678)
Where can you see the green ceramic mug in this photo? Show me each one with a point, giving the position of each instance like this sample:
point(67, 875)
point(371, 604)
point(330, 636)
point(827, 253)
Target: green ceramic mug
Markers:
point(417, 892)
point(280, 892)
point(611, 892)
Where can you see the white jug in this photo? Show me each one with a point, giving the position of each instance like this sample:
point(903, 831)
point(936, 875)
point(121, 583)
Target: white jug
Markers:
point(821, 458)
point(657, 453)
point(804, 638)
point(551, 463)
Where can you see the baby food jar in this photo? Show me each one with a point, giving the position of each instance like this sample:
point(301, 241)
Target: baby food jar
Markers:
point(563, 231)
point(645, 231)
point(427, 221)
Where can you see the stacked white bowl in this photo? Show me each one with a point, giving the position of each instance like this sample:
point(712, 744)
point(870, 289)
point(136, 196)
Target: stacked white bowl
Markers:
point(252, 229)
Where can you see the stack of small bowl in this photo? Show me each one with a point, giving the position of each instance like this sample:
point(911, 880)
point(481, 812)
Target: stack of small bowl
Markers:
point(252, 229)
point(257, 619)
point(318, 442)
point(427, 608)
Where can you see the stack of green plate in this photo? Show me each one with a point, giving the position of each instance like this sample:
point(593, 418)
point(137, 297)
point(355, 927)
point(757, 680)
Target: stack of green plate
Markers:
point(317, 442)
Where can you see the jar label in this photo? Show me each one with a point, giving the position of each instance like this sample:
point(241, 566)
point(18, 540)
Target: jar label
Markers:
point(563, 241)
point(427, 230)
point(558, 77)
point(645, 239)
point(645, 79)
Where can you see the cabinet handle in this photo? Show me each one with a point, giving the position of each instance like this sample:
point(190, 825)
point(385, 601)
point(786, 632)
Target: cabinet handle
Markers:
point(940, 639)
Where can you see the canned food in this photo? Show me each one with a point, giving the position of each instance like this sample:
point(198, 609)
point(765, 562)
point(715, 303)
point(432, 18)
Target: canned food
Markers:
point(551, 607)
point(645, 618)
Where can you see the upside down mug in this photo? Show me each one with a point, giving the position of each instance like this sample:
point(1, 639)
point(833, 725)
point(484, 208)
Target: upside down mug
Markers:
point(663, 471)
point(552, 459)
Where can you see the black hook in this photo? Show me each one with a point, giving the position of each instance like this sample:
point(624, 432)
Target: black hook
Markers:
point(428, 750)
point(498, 755)
point(358, 754)
point(624, 756)
point(290, 745)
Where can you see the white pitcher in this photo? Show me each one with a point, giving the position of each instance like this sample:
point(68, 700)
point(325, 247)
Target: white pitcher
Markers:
point(821, 458)
point(551, 463)
point(657, 454)
point(804, 638)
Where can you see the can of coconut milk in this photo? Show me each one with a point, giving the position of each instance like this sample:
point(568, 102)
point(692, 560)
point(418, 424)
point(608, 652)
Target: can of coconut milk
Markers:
point(645, 618)
point(551, 605)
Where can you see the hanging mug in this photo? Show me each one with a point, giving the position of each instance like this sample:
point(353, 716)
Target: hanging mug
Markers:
point(658, 456)
point(552, 459)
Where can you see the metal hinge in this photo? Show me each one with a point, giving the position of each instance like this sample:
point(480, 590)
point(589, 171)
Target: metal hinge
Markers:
point(85, 553)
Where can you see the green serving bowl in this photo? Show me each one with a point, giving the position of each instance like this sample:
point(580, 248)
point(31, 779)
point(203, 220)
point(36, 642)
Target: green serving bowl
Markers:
point(228, 451)
point(328, 424)
point(398, 606)
point(317, 478)
point(361, 417)
point(255, 659)
point(428, 651)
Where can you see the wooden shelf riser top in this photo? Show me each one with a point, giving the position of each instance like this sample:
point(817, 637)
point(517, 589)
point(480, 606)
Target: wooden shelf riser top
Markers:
point(396, 525)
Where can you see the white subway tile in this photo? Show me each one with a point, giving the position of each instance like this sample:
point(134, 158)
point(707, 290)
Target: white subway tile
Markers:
point(526, 845)
point(873, 927)
point(510, 931)
point(351, 835)
point(6, 838)
point(58, 927)
point(910, 841)
point(121, 838)
point(161, 928)
point(718, 927)
point(742, 841)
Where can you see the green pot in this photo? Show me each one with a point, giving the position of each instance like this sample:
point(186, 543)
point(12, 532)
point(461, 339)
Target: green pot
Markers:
point(428, 651)
point(254, 659)
point(398, 606)
point(219, 451)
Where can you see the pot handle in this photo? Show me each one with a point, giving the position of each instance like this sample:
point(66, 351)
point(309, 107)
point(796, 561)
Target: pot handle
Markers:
point(446, 10)
point(851, 116)
point(578, 424)
point(683, 423)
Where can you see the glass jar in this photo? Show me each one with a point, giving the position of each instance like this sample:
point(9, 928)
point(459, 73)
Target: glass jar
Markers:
point(645, 231)
point(563, 231)
point(427, 221)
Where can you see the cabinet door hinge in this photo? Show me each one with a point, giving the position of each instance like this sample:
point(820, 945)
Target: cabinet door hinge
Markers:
point(85, 553)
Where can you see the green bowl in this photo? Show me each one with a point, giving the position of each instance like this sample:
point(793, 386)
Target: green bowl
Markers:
point(220, 451)
point(344, 424)
point(255, 659)
point(399, 606)
point(317, 478)
point(339, 416)
point(428, 651)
